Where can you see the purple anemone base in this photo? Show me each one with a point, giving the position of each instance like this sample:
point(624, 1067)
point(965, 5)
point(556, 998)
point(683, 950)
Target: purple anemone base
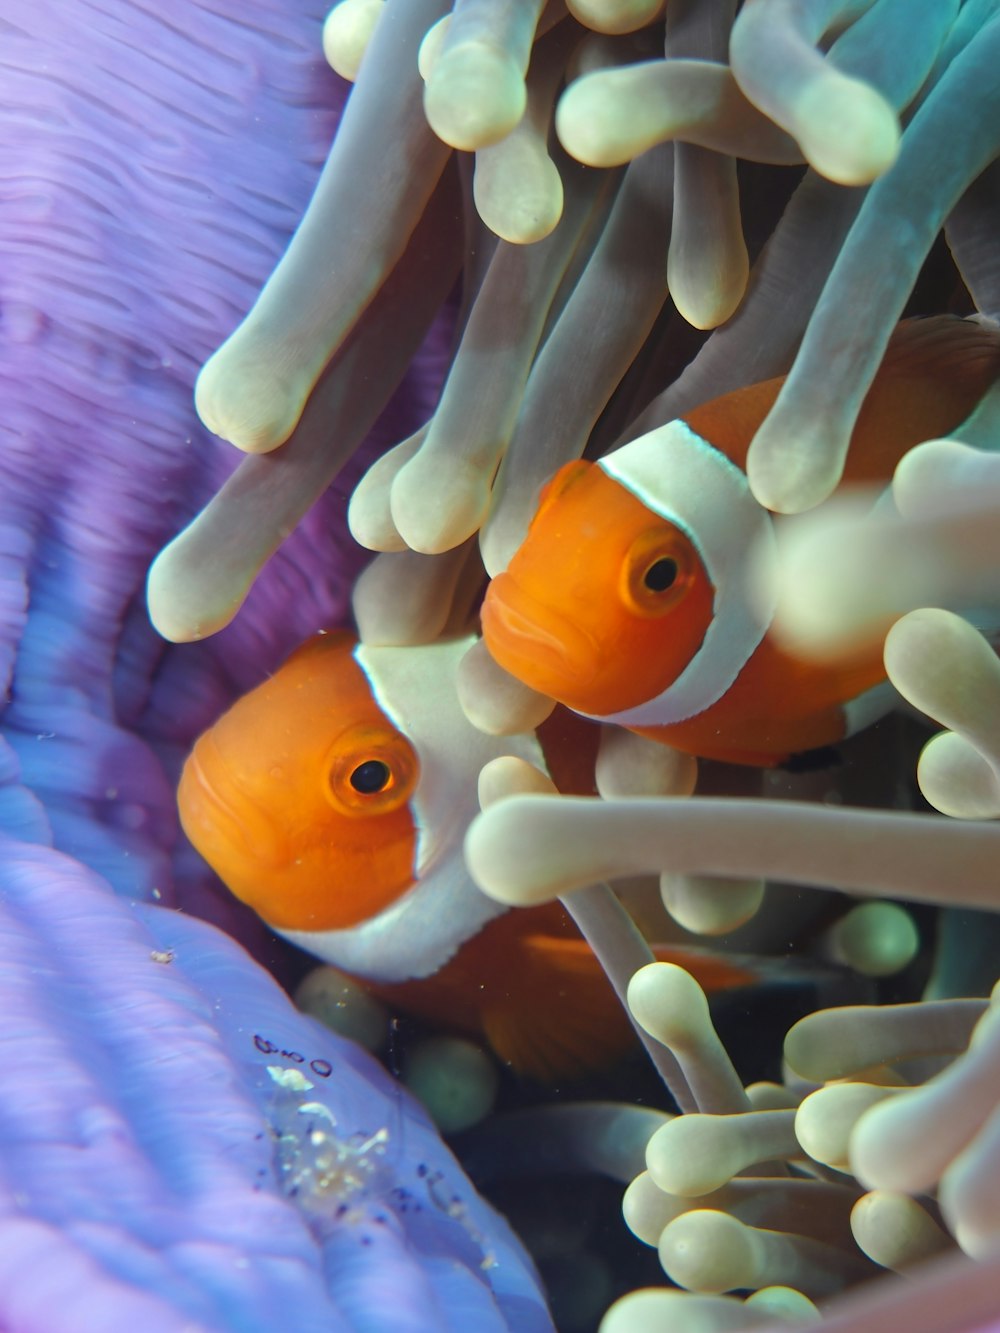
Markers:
point(179, 1147)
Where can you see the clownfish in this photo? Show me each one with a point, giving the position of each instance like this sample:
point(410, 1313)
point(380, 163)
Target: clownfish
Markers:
point(334, 799)
point(630, 599)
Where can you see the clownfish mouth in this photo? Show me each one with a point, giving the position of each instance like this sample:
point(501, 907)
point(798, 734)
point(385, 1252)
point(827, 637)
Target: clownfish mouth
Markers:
point(537, 644)
point(220, 818)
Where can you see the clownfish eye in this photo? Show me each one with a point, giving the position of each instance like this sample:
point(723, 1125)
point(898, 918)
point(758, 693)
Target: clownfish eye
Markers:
point(370, 770)
point(658, 570)
point(661, 574)
point(370, 777)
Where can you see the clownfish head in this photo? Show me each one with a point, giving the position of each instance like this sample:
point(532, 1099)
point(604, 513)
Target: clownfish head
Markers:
point(299, 797)
point(333, 799)
point(606, 601)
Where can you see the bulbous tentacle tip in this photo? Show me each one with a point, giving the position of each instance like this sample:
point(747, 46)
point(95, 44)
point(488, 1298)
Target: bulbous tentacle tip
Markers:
point(509, 776)
point(957, 779)
point(517, 190)
point(474, 95)
point(187, 602)
point(661, 1310)
point(895, 1230)
point(945, 667)
point(249, 399)
point(786, 479)
point(614, 16)
point(668, 1002)
point(437, 501)
point(167, 618)
point(346, 33)
point(495, 701)
point(456, 1080)
point(846, 129)
point(492, 850)
point(938, 472)
point(590, 123)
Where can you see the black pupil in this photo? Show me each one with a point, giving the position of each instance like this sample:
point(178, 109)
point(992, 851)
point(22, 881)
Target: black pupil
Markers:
point(370, 777)
point(660, 575)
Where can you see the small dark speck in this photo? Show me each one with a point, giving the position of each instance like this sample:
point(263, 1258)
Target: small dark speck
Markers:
point(366, 1240)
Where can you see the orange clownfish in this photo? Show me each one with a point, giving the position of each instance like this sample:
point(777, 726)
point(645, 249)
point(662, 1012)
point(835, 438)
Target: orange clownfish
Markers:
point(630, 599)
point(334, 799)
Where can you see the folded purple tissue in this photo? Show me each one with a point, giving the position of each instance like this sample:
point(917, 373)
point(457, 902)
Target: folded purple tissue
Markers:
point(182, 1149)
point(179, 1147)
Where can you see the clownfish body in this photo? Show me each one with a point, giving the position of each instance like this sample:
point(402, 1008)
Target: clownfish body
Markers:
point(632, 600)
point(334, 799)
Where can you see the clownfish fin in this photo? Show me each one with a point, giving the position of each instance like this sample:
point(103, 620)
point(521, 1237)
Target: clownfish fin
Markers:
point(712, 971)
point(945, 346)
point(561, 1017)
point(932, 376)
point(933, 373)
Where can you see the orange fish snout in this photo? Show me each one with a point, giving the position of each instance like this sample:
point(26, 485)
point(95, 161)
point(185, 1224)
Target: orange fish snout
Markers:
point(537, 644)
point(216, 811)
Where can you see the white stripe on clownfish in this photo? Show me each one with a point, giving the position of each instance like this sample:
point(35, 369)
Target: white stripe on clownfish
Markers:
point(425, 926)
point(711, 503)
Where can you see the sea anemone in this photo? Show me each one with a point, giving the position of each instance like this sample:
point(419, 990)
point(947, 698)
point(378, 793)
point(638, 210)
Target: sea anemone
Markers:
point(605, 183)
